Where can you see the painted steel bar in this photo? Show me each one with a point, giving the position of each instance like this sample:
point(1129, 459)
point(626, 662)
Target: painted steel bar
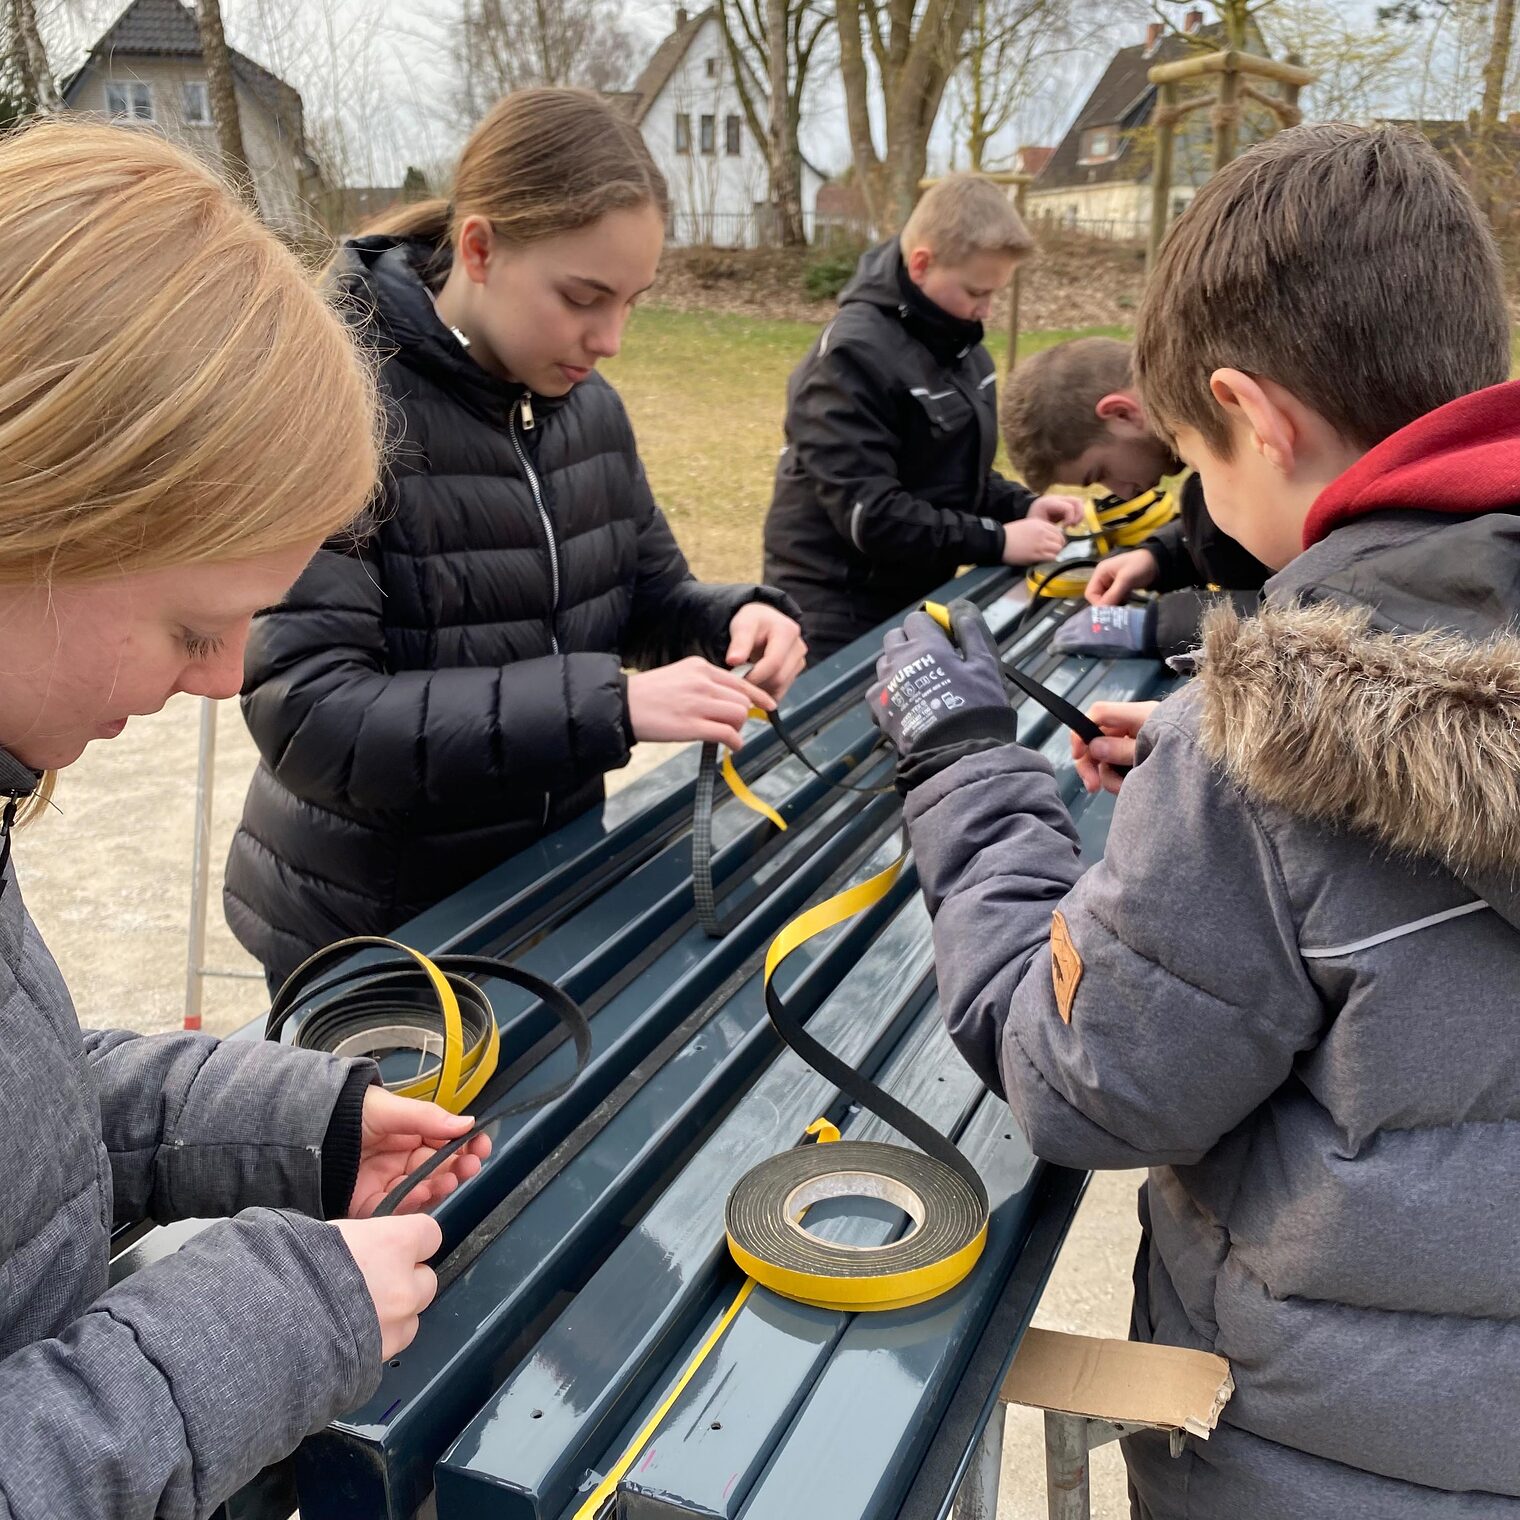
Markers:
point(379, 1460)
point(722, 1430)
point(889, 1373)
point(532, 1443)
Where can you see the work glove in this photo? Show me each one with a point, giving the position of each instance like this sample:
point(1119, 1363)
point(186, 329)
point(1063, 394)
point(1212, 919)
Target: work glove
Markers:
point(1108, 633)
point(939, 700)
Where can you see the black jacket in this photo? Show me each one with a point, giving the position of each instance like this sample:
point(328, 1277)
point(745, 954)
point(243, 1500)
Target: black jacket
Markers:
point(439, 696)
point(885, 486)
point(1198, 560)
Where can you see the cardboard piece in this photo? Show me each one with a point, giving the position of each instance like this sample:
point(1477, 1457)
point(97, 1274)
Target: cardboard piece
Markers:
point(1125, 1382)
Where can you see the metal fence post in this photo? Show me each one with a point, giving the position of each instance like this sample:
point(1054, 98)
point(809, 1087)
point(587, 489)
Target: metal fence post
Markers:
point(1067, 1491)
point(978, 1496)
point(200, 877)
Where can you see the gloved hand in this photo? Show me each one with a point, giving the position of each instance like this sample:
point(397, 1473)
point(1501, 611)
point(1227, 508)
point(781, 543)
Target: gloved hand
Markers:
point(931, 691)
point(1111, 633)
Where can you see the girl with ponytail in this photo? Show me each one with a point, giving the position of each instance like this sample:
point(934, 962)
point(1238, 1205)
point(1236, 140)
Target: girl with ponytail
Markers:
point(445, 693)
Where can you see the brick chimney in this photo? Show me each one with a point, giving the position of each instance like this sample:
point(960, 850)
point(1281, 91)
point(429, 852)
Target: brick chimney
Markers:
point(682, 17)
point(1152, 38)
point(1192, 22)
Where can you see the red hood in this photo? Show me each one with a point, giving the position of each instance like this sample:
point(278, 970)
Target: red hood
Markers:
point(1463, 458)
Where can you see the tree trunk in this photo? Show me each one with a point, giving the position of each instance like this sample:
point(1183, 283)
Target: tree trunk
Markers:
point(786, 192)
point(222, 89)
point(1495, 72)
point(37, 75)
point(857, 95)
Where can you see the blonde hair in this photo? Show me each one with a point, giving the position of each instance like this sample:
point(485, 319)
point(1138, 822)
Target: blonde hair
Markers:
point(175, 390)
point(541, 162)
point(962, 215)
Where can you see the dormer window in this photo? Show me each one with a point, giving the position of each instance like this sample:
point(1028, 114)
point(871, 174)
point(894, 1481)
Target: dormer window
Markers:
point(1099, 145)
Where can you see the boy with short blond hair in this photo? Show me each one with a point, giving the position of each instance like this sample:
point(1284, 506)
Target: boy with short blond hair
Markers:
point(1073, 414)
point(1289, 987)
point(885, 487)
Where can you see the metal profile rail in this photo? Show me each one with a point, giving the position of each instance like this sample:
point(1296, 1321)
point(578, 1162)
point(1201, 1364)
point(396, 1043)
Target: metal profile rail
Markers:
point(604, 1210)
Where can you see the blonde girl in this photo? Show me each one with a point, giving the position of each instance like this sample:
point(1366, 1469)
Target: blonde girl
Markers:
point(182, 421)
point(445, 694)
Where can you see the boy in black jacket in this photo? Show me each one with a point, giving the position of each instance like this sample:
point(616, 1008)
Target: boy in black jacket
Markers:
point(1073, 414)
point(885, 486)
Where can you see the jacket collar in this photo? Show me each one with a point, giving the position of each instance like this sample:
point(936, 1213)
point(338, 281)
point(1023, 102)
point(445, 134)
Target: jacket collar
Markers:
point(387, 283)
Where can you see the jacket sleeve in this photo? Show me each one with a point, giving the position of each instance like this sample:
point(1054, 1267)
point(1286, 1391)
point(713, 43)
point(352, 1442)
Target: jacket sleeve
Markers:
point(178, 1385)
point(843, 432)
point(675, 614)
point(1180, 615)
point(1169, 545)
point(1007, 500)
point(199, 1128)
point(338, 727)
point(1183, 1002)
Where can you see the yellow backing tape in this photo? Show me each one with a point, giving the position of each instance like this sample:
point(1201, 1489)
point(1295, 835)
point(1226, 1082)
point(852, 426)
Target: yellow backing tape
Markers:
point(461, 1073)
point(742, 792)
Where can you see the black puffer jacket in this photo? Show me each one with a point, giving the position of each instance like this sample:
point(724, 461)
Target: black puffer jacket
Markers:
point(885, 486)
point(442, 695)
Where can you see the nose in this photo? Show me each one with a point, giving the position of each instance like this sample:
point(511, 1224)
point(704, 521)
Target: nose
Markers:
point(605, 340)
point(220, 676)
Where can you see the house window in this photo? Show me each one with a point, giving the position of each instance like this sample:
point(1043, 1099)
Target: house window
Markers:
point(131, 100)
point(732, 140)
point(195, 103)
point(1099, 144)
point(712, 68)
point(683, 134)
point(709, 135)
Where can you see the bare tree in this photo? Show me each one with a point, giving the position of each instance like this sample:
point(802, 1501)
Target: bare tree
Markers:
point(31, 85)
point(221, 86)
point(776, 41)
point(1361, 69)
point(1011, 47)
point(504, 45)
point(913, 55)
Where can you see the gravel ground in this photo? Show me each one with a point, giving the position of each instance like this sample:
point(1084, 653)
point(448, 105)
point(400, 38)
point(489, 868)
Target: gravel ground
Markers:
point(107, 877)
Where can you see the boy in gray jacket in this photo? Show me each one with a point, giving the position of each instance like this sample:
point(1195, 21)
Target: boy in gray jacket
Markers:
point(1289, 988)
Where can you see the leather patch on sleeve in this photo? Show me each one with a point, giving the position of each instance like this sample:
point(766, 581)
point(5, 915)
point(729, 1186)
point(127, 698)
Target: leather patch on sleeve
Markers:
point(1065, 966)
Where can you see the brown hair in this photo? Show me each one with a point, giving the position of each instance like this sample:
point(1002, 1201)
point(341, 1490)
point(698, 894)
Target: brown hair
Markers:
point(175, 389)
point(964, 214)
point(541, 162)
point(1049, 409)
point(1349, 265)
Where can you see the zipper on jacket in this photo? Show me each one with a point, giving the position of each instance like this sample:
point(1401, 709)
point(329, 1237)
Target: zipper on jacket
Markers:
point(522, 415)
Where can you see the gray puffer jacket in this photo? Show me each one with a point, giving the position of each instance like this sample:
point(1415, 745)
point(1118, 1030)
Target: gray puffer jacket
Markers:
point(164, 1394)
point(1290, 989)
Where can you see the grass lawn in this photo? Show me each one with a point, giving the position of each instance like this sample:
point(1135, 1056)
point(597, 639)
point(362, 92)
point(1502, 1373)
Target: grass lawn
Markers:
point(707, 394)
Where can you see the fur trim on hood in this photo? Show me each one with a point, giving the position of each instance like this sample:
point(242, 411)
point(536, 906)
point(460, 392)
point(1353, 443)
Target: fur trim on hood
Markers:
point(1412, 738)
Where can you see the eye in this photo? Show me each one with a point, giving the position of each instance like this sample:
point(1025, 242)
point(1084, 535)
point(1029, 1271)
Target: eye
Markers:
point(202, 646)
point(570, 300)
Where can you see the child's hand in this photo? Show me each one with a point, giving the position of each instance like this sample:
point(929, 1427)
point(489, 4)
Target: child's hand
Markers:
point(693, 699)
point(1096, 762)
point(392, 1254)
point(771, 643)
point(1065, 511)
point(1031, 540)
point(400, 1134)
point(1113, 580)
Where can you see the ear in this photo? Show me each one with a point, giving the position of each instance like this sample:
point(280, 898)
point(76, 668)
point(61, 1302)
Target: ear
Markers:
point(476, 242)
point(1271, 429)
point(918, 263)
point(1122, 406)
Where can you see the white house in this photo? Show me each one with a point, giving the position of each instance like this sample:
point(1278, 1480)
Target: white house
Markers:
point(688, 107)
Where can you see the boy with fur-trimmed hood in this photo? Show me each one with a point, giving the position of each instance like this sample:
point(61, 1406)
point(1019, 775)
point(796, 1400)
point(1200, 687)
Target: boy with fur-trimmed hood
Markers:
point(1290, 987)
